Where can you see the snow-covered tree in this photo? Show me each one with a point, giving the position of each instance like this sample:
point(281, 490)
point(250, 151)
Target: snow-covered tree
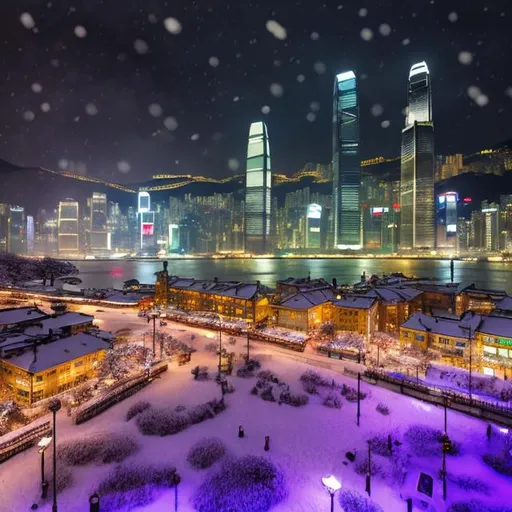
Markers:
point(383, 342)
point(15, 269)
point(122, 361)
point(50, 269)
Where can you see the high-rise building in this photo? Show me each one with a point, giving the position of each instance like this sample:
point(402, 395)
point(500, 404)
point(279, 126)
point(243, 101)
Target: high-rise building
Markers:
point(17, 236)
point(258, 190)
point(98, 228)
point(4, 226)
point(506, 222)
point(313, 226)
point(30, 234)
point(346, 163)
point(446, 220)
point(417, 165)
point(69, 238)
point(491, 213)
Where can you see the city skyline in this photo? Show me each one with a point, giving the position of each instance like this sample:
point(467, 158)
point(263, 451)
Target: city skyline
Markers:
point(65, 108)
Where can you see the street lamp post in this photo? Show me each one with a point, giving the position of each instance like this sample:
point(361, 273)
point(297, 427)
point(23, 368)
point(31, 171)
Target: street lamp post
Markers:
point(220, 344)
point(333, 485)
point(358, 398)
point(54, 407)
point(43, 444)
point(176, 479)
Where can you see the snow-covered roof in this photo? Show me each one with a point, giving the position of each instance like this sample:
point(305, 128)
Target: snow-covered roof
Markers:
point(394, 294)
point(457, 328)
point(473, 291)
point(58, 322)
point(57, 352)
point(17, 341)
point(304, 283)
point(497, 326)
point(307, 300)
point(11, 316)
point(355, 302)
point(504, 304)
point(226, 288)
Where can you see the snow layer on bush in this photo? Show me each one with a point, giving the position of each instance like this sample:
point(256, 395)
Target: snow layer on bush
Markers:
point(137, 408)
point(206, 452)
point(249, 484)
point(352, 501)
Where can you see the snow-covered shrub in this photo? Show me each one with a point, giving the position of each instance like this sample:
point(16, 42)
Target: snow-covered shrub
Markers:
point(82, 393)
point(249, 484)
point(352, 501)
point(232, 340)
point(206, 411)
point(137, 408)
point(383, 409)
point(179, 408)
point(361, 466)
point(200, 372)
point(211, 347)
point(501, 462)
point(469, 506)
point(11, 417)
point(424, 440)
point(294, 400)
point(268, 395)
point(206, 452)
point(333, 401)
point(399, 466)
point(161, 422)
point(64, 478)
point(470, 483)
point(103, 448)
point(267, 375)
point(350, 393)
point(310, 376)
point(127, 487)
point(254, 390)
point(248, 369)
point(310, 388)
point(379, 444)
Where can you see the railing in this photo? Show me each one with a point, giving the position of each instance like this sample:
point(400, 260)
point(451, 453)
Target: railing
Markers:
point(116, 394)
point(21, 439)
point(500, 413)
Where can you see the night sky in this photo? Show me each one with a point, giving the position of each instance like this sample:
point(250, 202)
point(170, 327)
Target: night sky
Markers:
point(111, 89)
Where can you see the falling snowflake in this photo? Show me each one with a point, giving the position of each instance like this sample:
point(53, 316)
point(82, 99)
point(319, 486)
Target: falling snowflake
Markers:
point(363, 12)
point(477, 96)
point(301, 78)
point(62, 163)
point(155, 110)
point(170, 123)
point(319, 67)
point(482, 100)
point(276, 29)
point(76, 119)
point(277, 63)
point(314, 106)
point(265, 109)
point(141, 47)
point(213, 61)
point(27, 21)
point(508, 92)
point(311, 117)
point(173, 26)
point(315, 36)
point(123, 166)
point(465, 58)
point(28, 115)
point(152, 18)
point(80, 31)
point(453, 17)
point(36, 87)
point(377, 110)
point(236, 98)
point(55, 63)
point(384, 29)
point(91, 109)
point(385, 124)
point(366, 34)
point(276, 90)
point(45, 107)
point(406, 41)
point(195, 136)
point(233, 164)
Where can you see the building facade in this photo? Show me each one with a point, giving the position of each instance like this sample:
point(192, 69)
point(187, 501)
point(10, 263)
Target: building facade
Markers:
point(346, 163)
point(417, 165)
point(68, 227)
point(258, 187)
point(98, 228)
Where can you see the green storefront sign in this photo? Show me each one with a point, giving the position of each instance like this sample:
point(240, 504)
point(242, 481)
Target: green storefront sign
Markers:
point(507, 342)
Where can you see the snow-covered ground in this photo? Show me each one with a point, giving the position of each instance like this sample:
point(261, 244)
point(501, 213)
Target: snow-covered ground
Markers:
point(307, 442)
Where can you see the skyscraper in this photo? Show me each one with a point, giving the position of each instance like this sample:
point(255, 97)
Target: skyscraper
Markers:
point(17, 238)
point(417, 165)
point(98, 223)
point(258, 190)
point(69, 238)
point(346, 163)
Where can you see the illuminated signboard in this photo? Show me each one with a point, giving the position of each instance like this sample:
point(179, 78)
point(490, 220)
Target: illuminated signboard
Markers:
point(314, 211)
point(378, 211)
point(147, 229)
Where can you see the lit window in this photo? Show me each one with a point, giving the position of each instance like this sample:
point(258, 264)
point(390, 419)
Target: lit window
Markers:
point(490, 350)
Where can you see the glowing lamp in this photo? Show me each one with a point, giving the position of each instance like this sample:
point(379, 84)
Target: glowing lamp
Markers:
point(331, 483)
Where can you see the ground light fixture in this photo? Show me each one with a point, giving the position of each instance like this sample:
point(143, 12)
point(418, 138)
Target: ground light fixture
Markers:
point(333, 485)
point(42, 445)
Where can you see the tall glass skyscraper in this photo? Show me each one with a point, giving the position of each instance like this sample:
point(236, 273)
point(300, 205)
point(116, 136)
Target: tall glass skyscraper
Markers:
point(346, 163)
point(258, 190)
point(98, 223)
point(69, 237)
point(417, 165)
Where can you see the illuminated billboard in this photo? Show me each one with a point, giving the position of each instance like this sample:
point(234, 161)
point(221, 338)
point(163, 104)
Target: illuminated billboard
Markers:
point(144, 202)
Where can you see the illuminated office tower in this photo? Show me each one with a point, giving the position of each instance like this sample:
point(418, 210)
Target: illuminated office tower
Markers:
point(313, 225)
point(146, 222)
point(491, 212)
point(98, 229)
point(417, 165)
point(17, 236)
point(346, 163)
point(68, 232)
point(30, 234)
point(446, 220)
point(258, 190)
